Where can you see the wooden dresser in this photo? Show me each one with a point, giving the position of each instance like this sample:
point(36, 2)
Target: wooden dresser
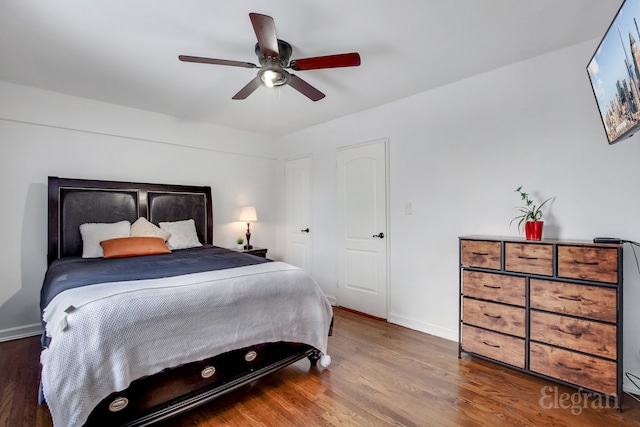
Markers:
point(550, 308)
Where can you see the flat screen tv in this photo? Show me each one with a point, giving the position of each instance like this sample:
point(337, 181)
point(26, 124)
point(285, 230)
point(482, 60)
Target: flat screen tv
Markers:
point(614, 71)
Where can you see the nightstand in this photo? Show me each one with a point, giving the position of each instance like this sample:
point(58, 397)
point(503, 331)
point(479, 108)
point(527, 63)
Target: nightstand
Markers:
point(255, 251)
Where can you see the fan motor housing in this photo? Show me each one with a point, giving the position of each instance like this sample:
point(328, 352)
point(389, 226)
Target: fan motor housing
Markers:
point(284, 49)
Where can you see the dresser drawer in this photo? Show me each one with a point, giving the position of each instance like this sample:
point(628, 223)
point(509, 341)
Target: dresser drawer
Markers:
point(585, 371)
point(592, 302)
point(529, 258)
point(588, 263)
point(494, 287)
point(497, 317)
point(493, 345)
point(581, 335)
point(481, 253)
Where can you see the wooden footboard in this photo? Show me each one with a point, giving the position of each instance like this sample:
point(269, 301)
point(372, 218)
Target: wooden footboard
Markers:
point(173, 391)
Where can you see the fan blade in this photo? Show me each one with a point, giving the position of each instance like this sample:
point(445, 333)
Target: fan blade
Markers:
point(329, 61)
point(265, 29)
point(198, 59)
point(305, 88)
point(248, 89)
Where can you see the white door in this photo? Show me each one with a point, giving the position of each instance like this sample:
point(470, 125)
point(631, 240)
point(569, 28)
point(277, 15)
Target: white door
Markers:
point(362, 225)
point(298, 213)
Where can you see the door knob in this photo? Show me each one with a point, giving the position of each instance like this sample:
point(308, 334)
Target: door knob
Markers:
point(306, 230)
point(381, 235)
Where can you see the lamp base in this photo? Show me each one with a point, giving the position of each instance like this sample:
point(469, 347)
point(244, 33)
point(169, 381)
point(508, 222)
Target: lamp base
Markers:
point(248, 236)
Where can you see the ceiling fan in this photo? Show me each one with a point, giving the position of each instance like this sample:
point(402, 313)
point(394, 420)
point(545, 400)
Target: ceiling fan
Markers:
point(273, 55)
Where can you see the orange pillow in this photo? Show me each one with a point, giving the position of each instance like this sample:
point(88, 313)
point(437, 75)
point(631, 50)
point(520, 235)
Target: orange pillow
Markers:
point(133, 246)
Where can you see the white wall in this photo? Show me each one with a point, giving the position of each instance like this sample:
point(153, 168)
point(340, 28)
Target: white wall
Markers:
point(457, 154)
point(43, 134)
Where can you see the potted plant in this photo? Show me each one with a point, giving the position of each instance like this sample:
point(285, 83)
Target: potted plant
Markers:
point(530, 216)
point(239, 243)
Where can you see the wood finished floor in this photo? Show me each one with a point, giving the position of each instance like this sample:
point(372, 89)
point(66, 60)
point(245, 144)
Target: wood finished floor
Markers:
point(381, 374)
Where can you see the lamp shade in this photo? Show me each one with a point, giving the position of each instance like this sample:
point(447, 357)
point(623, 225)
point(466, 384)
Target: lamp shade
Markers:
point(248, 214)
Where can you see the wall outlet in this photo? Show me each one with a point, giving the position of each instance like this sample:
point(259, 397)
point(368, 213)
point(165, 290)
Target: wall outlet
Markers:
point(407, 208)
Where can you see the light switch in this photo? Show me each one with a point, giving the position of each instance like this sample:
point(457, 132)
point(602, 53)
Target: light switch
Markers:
point(407, 208)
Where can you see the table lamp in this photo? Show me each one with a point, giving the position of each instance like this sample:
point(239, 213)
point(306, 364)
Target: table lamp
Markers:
point(248, 214)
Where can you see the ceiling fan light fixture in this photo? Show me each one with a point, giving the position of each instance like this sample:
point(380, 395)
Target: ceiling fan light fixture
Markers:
point(272, 77)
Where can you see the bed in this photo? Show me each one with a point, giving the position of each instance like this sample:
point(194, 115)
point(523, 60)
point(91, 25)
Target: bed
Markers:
point(133, 338)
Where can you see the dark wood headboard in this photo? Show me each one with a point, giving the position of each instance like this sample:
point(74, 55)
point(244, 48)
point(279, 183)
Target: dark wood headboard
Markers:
point(73, 202)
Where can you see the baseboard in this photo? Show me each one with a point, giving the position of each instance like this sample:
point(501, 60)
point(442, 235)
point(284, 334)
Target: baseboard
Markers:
point(428, 328)
point(20, 332)
point(333, 300)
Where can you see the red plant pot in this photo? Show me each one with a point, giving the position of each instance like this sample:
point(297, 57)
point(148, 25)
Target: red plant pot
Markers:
point(533, 230)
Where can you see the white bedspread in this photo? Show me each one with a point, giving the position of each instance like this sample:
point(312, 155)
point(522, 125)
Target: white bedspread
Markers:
point(107, 335)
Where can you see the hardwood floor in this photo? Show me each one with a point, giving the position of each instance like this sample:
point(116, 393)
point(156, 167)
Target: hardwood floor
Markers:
point(381, 374)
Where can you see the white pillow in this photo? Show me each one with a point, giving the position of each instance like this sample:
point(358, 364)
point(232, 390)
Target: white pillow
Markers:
point(94, 233)
point(183, 234)
point(143, 228)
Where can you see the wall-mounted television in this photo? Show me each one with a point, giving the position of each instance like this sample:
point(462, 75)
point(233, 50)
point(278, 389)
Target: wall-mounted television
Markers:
point(614, 71)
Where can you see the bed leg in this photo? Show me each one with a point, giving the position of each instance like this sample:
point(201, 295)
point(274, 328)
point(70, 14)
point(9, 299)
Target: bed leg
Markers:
point(316, 357)
point(313, 357)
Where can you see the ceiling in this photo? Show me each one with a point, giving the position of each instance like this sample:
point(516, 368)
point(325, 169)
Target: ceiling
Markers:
point(125, 52)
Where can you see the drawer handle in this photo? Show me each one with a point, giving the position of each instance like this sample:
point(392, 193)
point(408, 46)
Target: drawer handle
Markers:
point(562, 365)
point(527, 257)
point(586, 263)
point(492, 316)
point(118, 404)
point(492, 287)
point(575, 334)
point(571, 297)
point(490, 345)
point(480, 253)
point(208, 372)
